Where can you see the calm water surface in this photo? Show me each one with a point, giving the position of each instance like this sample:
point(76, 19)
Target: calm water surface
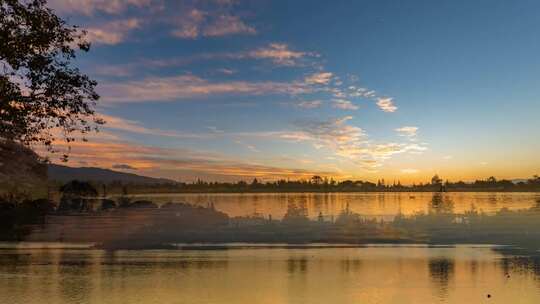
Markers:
point(379, 274)
point(378, 205)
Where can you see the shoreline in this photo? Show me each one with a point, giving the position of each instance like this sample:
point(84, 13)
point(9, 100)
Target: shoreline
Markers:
point(317, 192)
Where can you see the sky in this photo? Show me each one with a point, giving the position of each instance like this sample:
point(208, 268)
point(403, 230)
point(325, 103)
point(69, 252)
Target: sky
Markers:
point(228, 90)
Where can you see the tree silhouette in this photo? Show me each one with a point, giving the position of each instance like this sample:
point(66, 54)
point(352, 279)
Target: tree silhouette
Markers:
point(41, 94)
point(316, 180)
point(76, 196)
point(436, 180)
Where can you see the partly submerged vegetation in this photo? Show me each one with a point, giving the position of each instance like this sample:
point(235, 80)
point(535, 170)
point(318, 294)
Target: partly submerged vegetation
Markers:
point(82, 216)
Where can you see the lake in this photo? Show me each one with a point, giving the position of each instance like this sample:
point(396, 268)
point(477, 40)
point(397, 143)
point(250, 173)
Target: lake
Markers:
point(31, 274)
point(376, 205)
point(62, 273)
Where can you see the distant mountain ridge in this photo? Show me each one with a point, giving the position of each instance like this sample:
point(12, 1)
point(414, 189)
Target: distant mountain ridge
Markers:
point(64, 174)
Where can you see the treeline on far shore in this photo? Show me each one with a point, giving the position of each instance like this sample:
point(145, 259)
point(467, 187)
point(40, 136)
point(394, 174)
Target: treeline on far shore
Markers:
point(319, 184)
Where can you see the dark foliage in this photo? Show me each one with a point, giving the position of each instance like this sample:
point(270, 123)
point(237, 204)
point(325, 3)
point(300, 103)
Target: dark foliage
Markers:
point(321, 185)
point(77, 196)
point(41, 93)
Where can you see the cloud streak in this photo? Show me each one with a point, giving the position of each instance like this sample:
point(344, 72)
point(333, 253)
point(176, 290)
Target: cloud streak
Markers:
point(189, 86)
point(131, 126)
point(90, 7)
point(309, 104)
point(408, 131)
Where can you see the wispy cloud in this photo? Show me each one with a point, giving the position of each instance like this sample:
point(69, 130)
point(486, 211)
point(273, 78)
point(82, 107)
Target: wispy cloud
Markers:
point(408, 131)
point(89, 7)
point(410, 171)
point(191, 19)
point(349, 142)
point(335, 133)
point(212, 21)
point(361, 92)
point(188, 86)
point(344, 104)
point(386, 104)
point(189, 24)
point(226, 71)
point(344, 94)
point(250, 147)
point(309, 104)
point(225, 25)
point(112, 32)
point(322, 78)
point(279, 53)
point(121, 124)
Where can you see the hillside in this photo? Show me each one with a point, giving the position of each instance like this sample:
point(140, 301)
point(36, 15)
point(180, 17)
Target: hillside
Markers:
point(21, 170)
point(64, 174)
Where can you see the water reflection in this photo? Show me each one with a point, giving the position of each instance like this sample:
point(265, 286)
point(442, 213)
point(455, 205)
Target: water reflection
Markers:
point(377, 205)
point(351, 265)
point(296, 264)
point(381, 274)
point(441, 271)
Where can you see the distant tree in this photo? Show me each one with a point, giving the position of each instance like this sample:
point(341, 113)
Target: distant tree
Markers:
point(436, 180)
point(332, 182)
point(40, 91)
point(76, 196)
point(241, 184)
point(316, 179)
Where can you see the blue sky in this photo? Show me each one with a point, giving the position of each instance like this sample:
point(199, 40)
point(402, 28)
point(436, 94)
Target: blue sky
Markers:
point(229, 90)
